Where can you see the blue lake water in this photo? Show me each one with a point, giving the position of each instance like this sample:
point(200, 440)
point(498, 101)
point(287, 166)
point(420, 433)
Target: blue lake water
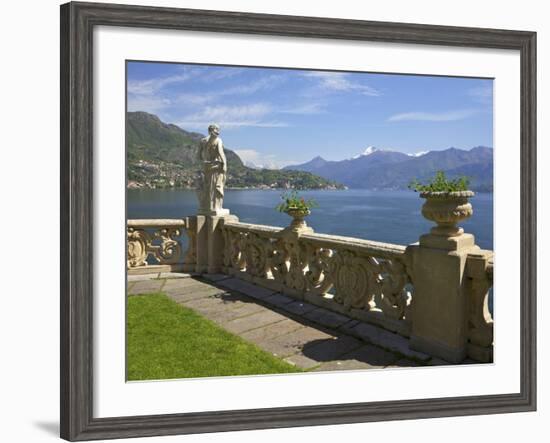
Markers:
point(386, 216)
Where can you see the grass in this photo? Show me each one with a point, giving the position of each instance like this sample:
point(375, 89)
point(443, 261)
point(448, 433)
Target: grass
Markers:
point(166, 340)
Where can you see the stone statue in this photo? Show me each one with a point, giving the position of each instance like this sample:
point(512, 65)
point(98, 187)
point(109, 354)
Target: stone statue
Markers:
point(213, 173)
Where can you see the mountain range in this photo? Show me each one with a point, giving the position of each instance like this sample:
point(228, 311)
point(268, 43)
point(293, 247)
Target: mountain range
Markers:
point(386, 169)
point(163, 155)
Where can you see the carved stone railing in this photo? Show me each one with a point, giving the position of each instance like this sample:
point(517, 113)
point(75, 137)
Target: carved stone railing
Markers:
point(157, 245)
point(363, 279)
point(479, 272)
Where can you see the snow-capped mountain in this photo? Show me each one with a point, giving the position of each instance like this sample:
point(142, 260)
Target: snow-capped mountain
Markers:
point(368, 151)
point(418, 154)
point(387, 169)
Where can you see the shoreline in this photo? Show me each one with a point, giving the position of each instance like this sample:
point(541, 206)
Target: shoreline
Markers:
point(287, 189)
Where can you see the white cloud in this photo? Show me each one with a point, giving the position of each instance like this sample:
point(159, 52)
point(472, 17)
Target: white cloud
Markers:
point(217, 74)
point(150, 86)
point(340, 82)
point(147, 96)
point(199, 109)
point(255, 159)
point(433, 116)
point(147, 103)
point(251, 87)
point(238, 112)
point(153, 85)
point(232, 117)
point(304, 109)
point(193, 99)
point(231, 124)
point(482, 94)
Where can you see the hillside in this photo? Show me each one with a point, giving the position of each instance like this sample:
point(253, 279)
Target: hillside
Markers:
point(380, 169)
point(162, 155)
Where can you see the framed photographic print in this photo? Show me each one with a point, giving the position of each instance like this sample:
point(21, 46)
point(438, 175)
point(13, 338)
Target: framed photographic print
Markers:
point(273, 221)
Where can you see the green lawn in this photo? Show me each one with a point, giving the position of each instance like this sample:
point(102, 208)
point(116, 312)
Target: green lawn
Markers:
point(166, 340)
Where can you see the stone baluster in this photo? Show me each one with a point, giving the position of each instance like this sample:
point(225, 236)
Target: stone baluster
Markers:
point(479, 268)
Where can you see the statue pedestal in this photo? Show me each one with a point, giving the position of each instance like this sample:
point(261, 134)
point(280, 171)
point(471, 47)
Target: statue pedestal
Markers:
point(210, 241)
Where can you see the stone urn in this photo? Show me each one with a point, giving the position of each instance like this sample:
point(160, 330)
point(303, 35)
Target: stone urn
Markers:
point(447, 209)
point(298, 219)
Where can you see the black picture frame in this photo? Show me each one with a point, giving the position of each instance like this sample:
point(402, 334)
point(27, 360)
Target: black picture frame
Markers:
point(77, 23)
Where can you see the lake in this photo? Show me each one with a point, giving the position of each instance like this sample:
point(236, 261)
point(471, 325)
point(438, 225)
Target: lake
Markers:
point(386, 216)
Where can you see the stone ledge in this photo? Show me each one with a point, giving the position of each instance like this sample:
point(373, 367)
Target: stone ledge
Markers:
point(215, 277)
point(326, 318)
point(154, 269)
point(387, 340)
point(246, 288)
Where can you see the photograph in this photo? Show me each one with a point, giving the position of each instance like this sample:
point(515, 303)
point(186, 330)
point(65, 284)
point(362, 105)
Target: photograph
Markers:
point(273, 221)
point(283, 220)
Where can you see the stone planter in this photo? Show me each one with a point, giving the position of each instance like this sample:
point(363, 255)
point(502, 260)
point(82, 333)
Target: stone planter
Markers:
point(298, 219)
point(447, 209)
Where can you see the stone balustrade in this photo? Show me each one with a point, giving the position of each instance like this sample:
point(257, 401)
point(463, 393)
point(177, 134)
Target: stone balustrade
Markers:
point(435, 292)
point(363, 279)
point(157, 246)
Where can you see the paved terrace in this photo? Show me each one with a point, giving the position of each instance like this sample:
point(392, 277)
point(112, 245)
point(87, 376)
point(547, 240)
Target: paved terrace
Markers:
point(302, 334)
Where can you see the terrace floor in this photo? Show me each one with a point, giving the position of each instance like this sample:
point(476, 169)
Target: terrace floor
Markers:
point(302, 334)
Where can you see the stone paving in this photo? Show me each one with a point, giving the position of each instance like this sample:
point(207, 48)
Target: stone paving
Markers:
point(302, 334)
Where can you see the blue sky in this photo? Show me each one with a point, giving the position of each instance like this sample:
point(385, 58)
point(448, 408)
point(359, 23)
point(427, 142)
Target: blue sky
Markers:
point(275, 117)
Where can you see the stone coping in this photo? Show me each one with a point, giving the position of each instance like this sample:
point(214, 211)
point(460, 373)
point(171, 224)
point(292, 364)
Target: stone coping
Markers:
point(326, 240)
point(253, 227)
point(156, 222)
point(342, 242)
